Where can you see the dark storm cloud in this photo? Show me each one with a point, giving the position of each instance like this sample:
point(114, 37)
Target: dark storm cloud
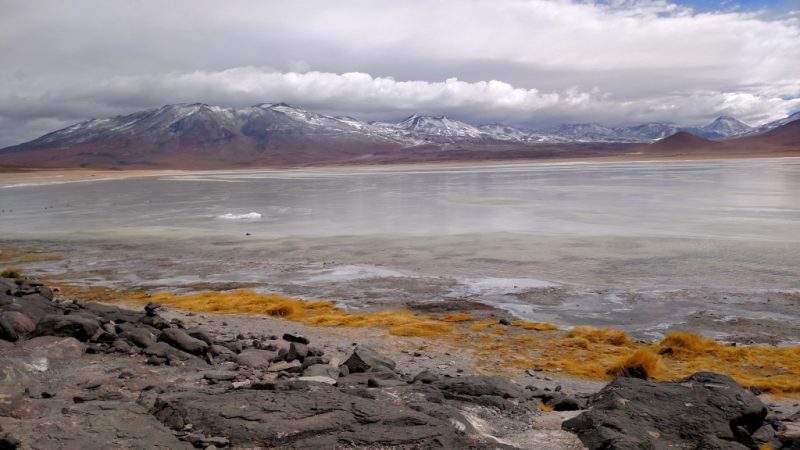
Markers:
point(525, 62)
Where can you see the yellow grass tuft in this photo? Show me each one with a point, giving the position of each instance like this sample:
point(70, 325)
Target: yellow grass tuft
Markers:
point(546, 408)
point(642, 363)
point(482, 325)
point(11, 273)
point(458, 317)
point(688, 341)
point(535, 326)
point(577, 343)
point(601, 335)
point(318, 313)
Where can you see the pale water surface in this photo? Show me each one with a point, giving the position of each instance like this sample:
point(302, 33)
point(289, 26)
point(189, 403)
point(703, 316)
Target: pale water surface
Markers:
point(648, 246)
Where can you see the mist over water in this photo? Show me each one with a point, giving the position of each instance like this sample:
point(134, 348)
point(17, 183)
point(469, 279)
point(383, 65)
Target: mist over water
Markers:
point(638, 245)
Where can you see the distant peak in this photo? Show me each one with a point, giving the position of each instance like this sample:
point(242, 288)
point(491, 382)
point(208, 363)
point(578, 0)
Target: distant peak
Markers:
point(183, 105)
point(279, 105)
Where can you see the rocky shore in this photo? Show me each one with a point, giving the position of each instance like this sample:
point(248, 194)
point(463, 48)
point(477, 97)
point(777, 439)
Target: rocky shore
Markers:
point(77, 374)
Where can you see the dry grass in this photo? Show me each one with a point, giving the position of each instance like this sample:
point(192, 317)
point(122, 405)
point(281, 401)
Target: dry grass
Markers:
point(19, 256)
point(482, 325)
point(587, 352)
point(687, 341)
point(601, 335)
point(546, 408)
point(458, 317)
point(535, 326)
point(642, 363)
point(319, 313)
point(11, 273)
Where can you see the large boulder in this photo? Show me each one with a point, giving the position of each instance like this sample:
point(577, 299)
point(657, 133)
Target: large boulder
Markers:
point(139, 336)
point(182, 341)
point(7, 331)
point(476, 386)
point(365, 358)
point(321, 370)
point(35, 306)
point(80, 327)
point(21, 323)
point(104, 424)
point(314, 416)
point(167, 352)
point(257, 359)
point(706, 410)
point(202, 334)
point(112, 313)
point(52, 347)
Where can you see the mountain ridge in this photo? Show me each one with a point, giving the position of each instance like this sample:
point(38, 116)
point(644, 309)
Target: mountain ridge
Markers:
point(202, 135)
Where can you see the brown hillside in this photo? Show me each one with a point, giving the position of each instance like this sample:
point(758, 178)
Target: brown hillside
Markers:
point(784, 137)
point(680, 142)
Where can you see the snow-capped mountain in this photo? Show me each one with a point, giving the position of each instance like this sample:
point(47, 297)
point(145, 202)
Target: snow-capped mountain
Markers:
point(651, 131)
point(582, 132)
point(727, 126)
point(282, 134)
point(507, 133)
point(721, 128)
point(440, 127)
point(774, 124)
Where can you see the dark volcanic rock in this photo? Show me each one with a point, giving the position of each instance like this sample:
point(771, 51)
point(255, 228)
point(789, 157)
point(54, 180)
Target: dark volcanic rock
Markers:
point(97, 424)
point(7, 331)
point(112, 313)
point(365, 358)
point(53, 347)
point(182, 341)
point(219, 375)
point(78, 326)
point(257, 359)
point(35, 306)
point(318, 416)
point(325, 370)
point(297, 351)
point(203, 335)
point(706, 410)
point(219, 350)
point(166, 351)
point(21, 323)
point(139, 336)
point(155, 321)
point(362, 378)
point(426, 377)
point(475, 386)
point(288, 337)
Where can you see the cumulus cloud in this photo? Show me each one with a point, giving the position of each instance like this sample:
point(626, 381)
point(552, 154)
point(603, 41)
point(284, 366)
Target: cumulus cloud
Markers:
point(527, 62)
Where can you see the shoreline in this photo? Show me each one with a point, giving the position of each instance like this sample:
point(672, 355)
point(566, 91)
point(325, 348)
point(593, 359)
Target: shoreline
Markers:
point(492, 340)
point(20, 177)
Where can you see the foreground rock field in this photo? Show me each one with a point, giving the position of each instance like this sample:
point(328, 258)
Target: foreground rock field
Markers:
point(82, 375)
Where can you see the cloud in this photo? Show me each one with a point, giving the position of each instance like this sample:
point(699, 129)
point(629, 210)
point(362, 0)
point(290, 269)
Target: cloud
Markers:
point(526, 62)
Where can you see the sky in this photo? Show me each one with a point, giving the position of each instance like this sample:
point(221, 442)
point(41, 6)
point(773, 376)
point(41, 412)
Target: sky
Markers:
point(523, 62)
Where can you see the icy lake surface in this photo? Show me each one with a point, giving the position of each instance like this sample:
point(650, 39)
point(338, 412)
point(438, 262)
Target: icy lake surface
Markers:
point(619, 241)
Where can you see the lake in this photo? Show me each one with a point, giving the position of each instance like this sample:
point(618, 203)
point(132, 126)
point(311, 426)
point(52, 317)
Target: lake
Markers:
point(712, 245)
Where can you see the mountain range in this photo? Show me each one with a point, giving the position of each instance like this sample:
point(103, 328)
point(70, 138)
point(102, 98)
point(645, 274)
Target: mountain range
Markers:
point(275, 134)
